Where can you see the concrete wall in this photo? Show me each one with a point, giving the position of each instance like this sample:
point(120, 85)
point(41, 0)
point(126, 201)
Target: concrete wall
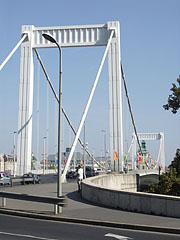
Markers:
point(161, 205)
point(116, 181)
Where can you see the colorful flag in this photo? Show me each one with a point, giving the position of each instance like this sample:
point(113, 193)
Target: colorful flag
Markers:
point(5, 158)
point(139, 157)
point(115, 155)
point(124, 158)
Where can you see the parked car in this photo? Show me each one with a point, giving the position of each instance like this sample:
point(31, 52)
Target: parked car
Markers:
point(4, 178)
point(90, 172)
point(99, 171)
point(108, 170)
point(71, 174)
point(30, 178)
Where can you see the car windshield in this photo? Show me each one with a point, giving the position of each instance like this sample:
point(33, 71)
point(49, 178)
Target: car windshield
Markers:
point(25, 175)
point(88, 168)
point(3, 174)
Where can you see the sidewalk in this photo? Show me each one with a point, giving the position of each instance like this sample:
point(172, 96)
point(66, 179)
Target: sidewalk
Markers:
point(81, 209)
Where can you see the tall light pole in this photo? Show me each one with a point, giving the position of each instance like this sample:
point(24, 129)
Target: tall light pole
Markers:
point(14, 147)
point(84, 150)
point(59, 183)
point(44, 155)
point(105, 159)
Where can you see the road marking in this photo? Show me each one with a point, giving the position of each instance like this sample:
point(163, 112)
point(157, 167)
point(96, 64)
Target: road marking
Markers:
point(28, 236)
point(117, 236)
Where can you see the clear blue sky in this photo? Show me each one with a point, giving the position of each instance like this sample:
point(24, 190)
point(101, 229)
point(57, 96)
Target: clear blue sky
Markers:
point(150, 51)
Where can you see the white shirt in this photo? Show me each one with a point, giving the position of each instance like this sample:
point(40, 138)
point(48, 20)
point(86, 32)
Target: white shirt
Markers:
point(80, 172)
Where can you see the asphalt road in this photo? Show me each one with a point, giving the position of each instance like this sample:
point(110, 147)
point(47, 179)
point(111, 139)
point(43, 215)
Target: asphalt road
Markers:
point(22, 228)
point(18, 228)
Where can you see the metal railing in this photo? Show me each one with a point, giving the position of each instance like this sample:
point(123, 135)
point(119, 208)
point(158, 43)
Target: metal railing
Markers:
point(57, 202)
point(20, 181)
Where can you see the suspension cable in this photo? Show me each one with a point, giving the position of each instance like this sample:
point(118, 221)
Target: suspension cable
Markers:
point(130, 109)
point(68, 120)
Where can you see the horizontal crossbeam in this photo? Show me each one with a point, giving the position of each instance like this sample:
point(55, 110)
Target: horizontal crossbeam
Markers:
point(149, 136)
point(69, 36)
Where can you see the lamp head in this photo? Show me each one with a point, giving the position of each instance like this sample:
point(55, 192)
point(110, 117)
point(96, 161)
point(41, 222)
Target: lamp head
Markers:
point(49, 37)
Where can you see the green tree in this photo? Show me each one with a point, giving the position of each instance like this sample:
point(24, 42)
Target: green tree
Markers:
point(169, 183)
point(176, 162)
point(174, 98)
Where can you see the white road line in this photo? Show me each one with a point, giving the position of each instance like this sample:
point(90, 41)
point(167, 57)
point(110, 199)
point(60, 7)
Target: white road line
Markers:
point(28, 236)
point(116, 236)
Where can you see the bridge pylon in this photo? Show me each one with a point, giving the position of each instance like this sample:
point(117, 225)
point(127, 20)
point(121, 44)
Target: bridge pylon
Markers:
point(69, 36)
point(150, 137)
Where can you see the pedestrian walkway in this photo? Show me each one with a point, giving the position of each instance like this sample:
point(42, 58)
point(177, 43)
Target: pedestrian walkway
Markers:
point(81, 209)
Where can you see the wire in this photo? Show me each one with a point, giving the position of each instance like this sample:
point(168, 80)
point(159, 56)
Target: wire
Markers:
point(130, 109)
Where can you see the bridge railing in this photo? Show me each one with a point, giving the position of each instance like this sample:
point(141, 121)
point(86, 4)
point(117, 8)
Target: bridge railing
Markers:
point(57, 202)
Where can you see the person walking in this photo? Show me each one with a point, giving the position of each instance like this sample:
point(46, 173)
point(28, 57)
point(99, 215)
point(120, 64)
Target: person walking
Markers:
point(80, 177)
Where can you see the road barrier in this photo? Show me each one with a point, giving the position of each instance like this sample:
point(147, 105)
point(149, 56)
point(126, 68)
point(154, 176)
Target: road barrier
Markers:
point(18, 180)
point(57, 202)
point(116, 191)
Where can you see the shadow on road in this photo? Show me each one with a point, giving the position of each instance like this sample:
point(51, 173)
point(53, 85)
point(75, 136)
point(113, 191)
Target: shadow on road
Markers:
point(76, 196)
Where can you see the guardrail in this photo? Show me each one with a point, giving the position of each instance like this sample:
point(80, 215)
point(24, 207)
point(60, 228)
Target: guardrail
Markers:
point(18, 180)
point(57, 202)
point(15, 180)
point(24, 180)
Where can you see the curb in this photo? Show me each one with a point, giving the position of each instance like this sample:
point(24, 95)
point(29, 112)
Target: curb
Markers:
point(91, 222)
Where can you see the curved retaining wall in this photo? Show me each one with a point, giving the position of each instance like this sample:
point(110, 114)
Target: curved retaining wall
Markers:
point(106, 190)
point(115, 181)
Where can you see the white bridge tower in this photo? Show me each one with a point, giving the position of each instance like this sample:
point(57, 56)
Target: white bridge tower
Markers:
point(69, 36)
point(150, 137)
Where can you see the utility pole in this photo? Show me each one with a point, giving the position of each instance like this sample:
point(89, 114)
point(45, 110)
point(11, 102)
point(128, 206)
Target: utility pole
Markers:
point(44, 155)
point(14, 147)
point(84, 150)
point(105, 150)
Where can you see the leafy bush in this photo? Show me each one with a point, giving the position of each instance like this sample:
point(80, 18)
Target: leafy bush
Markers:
point(169, 183)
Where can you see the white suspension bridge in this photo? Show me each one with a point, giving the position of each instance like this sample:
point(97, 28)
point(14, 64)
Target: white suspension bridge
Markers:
point(107, 35)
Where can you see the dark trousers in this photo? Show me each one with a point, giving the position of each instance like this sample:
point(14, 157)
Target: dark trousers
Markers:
point(79, 182)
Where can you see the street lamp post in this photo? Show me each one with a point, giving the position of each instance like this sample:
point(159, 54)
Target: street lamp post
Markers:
point(44, 155)
point(59, 183)
point(105, 150)
point(84, 151)
point(14, 147)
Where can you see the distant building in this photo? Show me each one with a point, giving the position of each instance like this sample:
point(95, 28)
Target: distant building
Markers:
point(7, 163)
point(52, 159)
point(77, 158)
